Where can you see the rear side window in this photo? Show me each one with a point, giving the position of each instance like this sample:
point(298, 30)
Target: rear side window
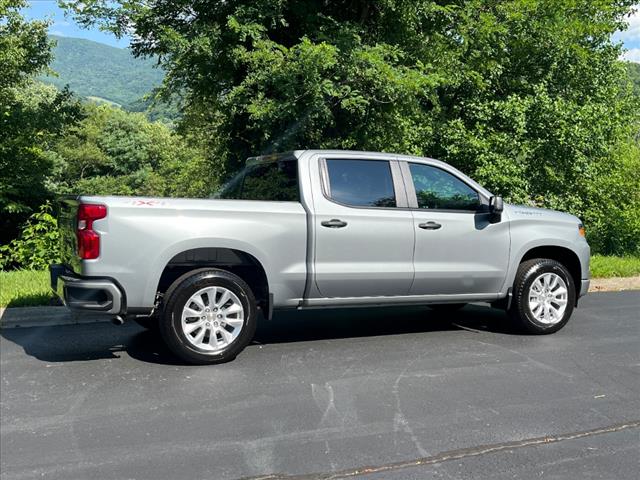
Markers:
point(438, 189)
point(361, 183)
point(272, 181)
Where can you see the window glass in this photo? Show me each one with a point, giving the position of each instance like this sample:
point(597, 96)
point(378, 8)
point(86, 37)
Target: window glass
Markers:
point(272, 181)
point(361, 183)
point(436, 188)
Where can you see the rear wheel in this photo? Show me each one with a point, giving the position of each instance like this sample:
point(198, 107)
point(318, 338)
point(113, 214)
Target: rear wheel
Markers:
point(209, 317)
point(544, 295)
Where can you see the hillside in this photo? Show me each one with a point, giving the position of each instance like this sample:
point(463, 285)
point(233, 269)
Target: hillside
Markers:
point(102, 72)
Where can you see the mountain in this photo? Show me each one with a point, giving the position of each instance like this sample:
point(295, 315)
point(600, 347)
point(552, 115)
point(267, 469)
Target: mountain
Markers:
point(102, 73)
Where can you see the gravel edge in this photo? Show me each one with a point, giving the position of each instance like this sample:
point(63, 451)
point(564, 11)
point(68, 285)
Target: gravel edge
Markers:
point(614, 284)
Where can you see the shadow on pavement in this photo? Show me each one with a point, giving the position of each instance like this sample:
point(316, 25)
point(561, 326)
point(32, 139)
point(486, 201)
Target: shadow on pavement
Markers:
point(97, 341)
point(326, 324)
point(83, 342)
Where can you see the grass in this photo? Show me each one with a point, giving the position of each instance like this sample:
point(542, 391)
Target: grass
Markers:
point(25, 288)
point(609, 266)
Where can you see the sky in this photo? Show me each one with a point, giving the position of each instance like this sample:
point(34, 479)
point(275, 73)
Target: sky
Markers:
point(66, 27)
point(631, 37)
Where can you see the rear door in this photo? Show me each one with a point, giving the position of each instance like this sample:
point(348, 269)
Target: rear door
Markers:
point(364, 232)
point(458, 250)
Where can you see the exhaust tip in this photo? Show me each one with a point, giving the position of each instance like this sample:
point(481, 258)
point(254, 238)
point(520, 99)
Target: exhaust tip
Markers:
point(117, 320)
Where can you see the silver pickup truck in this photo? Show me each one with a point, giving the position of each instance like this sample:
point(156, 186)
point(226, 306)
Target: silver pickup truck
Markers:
point(317, 229)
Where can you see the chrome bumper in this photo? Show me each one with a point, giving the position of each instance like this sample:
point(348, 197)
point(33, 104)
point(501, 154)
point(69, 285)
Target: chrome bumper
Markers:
point(91, 294)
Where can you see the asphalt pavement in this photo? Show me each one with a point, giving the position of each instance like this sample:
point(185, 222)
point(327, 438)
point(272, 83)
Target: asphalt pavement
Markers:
point(400, 393)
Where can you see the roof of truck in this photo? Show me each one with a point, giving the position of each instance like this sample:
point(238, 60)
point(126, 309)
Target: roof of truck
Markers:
point(348, 153)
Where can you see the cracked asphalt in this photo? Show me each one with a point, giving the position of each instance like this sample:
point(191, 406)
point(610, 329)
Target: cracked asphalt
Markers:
point(399, 393)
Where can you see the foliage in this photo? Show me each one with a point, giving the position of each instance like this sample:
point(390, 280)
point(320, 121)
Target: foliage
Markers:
point(614, 215)
point(113, 152)
point(31, 116)
point(38, 244)
point(526, 96)
point(24, 288)
point(155, 109)
point(99, 71)
point(24, 48)
point(633, 70)
point(610, 266)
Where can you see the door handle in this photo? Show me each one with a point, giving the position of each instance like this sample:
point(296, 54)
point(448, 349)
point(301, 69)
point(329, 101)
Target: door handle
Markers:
point(430, 226)
point(333, 223)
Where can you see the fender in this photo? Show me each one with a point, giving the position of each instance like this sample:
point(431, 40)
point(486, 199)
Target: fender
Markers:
point(158, 265)
point(518, 255)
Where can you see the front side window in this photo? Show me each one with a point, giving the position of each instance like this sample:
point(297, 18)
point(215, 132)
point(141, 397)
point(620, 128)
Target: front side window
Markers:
point(273, 181)
point(438, 189)
point(361, 183)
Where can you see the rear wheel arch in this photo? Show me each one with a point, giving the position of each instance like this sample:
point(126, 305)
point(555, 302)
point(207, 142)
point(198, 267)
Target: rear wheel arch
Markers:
point(238, 262)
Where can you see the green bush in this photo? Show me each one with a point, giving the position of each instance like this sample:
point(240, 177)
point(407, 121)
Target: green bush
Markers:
point(37, 246)
point(612, 217)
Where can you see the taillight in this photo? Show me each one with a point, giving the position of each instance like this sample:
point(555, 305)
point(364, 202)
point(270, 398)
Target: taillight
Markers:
point(88, 240)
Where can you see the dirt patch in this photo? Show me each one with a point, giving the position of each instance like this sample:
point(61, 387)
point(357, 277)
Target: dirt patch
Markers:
point(614, 284)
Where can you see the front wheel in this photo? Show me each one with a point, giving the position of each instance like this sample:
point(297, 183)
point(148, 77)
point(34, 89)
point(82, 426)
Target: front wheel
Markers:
point(209, 318)
point(544, 295)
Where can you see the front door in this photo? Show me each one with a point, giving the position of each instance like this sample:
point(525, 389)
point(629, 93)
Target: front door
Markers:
point(458, 250)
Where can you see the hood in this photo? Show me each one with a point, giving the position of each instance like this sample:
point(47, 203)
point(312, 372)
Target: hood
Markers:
point(533, 213)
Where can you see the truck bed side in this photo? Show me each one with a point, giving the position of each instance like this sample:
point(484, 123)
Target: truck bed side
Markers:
point(140, 236)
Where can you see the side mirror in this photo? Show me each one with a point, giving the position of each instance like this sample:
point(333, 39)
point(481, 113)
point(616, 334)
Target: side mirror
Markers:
point(496, 205)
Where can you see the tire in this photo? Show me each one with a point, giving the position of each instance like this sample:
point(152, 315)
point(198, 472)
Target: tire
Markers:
point(446, 307)
point(202, 313)
point(547, 315)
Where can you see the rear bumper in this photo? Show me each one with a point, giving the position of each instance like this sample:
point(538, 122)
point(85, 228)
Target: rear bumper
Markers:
point(87, 293)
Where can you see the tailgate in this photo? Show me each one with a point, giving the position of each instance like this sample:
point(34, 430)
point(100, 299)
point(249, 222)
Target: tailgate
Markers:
point(67, 224)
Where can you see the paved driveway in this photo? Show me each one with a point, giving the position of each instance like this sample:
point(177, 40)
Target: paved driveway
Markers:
point(387, 393)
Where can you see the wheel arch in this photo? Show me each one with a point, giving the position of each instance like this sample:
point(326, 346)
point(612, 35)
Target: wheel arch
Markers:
point(564, 255)
point(239, 262)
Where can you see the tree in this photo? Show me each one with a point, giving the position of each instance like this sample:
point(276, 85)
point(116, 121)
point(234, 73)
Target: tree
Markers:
point(527, 96)
point(114, 152)
point(31, 116)
point(634, 75)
